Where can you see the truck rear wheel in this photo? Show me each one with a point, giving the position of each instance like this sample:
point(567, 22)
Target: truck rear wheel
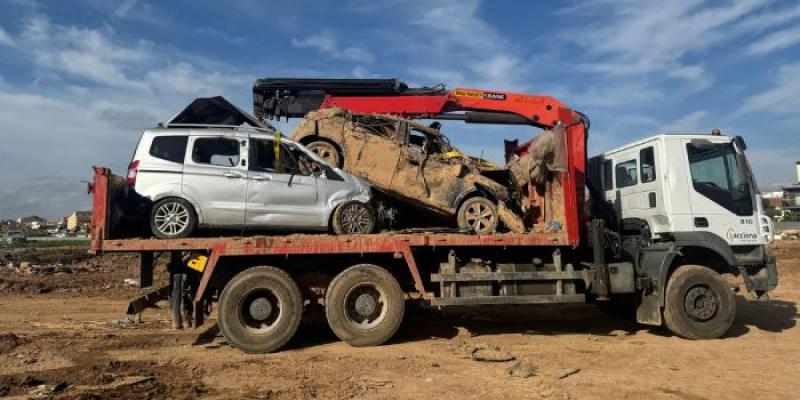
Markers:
point(699, 304)
point(260, 309)
point(364, 305)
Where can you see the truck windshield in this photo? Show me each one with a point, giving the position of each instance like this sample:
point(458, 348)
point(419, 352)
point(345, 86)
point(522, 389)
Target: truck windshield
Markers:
point(721, 175)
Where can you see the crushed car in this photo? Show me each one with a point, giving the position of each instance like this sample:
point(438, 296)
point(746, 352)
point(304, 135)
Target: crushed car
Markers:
point(416, 164)
point(204, 170)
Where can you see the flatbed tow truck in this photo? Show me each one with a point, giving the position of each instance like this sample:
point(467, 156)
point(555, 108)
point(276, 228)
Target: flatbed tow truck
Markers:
point(668, 274)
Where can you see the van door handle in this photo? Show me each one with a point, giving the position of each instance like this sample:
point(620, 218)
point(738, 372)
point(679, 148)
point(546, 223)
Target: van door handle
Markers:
point(231, 175)
point(262, 178)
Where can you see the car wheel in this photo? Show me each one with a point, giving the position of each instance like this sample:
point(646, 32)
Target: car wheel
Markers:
point(478, 214)
point(172, 218)
point(364, 305)
point(353, 217)
point(699, 304)
point(260, 309)
point(326, 151)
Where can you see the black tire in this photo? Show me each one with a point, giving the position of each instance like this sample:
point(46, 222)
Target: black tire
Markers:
point(183, 214)
point(327, 151)
point(479, 215)
point(260, 310)
point(364, 305)
point(699, 304)
point(353, 217)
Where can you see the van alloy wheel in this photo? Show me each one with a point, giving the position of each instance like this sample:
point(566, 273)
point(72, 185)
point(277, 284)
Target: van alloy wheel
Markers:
point(356, 218)
point(172, 218)
point(353, 217)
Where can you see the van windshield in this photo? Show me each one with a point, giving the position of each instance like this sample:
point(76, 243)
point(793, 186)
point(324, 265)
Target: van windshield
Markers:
point(721, 175)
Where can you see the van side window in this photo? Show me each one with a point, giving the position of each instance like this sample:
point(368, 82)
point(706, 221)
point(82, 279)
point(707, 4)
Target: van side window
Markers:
point(608, 177)
point(170, 148)
point(648, 160)
point(625, 174)
point(219, 151)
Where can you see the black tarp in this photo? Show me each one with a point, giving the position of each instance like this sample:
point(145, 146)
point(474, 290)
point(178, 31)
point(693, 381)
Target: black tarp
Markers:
point(215, 111)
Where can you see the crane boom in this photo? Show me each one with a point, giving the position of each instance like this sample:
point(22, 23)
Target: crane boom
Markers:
point(294, 97)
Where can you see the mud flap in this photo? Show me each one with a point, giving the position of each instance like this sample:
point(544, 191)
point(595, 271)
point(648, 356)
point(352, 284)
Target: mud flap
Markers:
point(761, 279)
point(655, 262)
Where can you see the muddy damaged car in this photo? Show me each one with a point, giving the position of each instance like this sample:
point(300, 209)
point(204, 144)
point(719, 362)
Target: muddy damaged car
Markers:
point(415, 164)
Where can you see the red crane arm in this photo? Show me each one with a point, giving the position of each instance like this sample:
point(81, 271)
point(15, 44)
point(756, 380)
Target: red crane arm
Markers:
point(542, 111)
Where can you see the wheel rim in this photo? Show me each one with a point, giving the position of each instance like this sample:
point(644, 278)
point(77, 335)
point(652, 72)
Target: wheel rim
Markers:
point(172, 218)
point(325, 151)
point(355, 218)
point(480, 217)
point(700, 303)
point(365, 306)
point(260, 311)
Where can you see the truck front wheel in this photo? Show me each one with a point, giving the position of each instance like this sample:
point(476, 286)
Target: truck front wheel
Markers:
point(260, 309)
point(699, 304)
point(364, 305)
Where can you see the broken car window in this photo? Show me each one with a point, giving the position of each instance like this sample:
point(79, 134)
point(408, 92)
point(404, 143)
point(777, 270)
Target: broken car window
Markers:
point(262, 153)
point(219, 151)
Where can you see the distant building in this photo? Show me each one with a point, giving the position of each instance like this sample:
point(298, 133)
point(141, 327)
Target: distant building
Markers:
point(791, 194)
point(79, 221)
point(773, 199)
point(28, 221)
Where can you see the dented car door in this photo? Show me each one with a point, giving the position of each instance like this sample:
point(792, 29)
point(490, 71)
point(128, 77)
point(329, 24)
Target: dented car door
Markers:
point(373, 154)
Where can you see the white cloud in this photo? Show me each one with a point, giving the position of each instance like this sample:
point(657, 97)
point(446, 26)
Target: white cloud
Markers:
point(93, 95)
point(82, 53)
point(122, 10)
point(782, 98)
point(775, 41)
point(183, 78)
point(656, 37)
point(690, 123)
point(328, 44)
point(766, 20)
point(5, 38)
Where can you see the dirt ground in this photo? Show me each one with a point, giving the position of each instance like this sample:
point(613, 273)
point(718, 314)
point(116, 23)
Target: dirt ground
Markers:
point(62, 335)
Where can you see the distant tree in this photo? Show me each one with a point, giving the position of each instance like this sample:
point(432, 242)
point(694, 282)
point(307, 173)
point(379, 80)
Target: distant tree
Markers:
point(771, 211)
point(791, 217)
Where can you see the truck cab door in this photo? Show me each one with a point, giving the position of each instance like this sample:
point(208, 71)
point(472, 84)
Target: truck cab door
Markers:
point(720, 194)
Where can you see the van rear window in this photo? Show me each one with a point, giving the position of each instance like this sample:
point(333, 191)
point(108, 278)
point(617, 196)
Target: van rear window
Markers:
point(170, 148)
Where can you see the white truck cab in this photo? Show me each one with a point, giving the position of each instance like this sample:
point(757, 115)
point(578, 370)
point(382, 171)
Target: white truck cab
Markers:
point(684, 200)
point(686, 183)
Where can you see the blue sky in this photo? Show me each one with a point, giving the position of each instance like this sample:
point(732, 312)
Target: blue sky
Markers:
point(80, 80)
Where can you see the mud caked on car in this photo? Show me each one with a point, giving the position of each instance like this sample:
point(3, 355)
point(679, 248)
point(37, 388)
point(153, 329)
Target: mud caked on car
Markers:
point(417, 165)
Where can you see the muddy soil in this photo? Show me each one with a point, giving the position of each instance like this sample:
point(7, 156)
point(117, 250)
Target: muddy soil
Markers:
point(71, 342)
